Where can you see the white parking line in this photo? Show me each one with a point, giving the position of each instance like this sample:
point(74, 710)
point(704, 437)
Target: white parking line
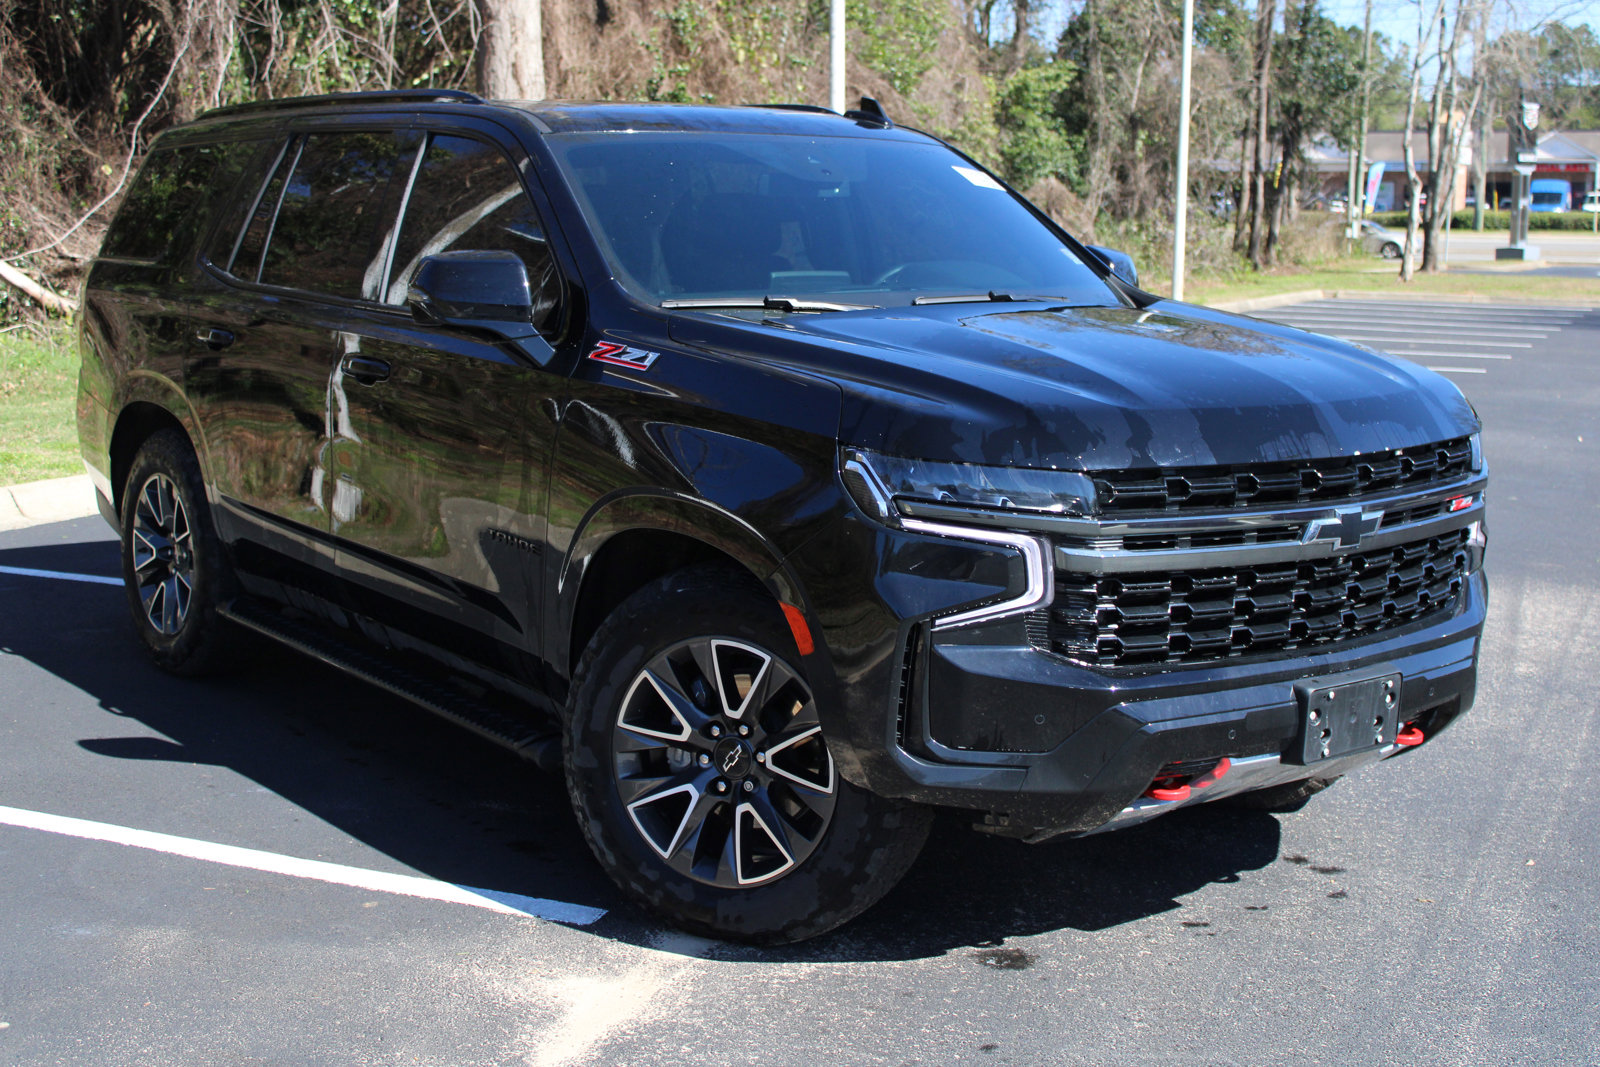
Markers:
point(1458, 370)
point(1356, 335)
point(66, 576)
point(316, 870)
point(1455, 355)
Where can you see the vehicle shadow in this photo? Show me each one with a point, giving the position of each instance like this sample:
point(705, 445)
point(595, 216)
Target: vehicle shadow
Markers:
point(459, 809)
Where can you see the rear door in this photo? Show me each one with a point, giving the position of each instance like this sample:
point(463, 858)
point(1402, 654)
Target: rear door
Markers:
point(285, 278)
point(441, 438)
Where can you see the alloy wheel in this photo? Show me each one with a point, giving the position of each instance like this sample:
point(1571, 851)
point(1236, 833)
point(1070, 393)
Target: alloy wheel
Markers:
point(163, 554)
point(720, 763)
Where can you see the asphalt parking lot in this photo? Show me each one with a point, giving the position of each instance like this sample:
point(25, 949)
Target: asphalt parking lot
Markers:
point(287, 867)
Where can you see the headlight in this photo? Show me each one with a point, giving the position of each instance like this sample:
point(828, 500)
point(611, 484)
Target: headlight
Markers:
point(1476, 441)
point(891, 487)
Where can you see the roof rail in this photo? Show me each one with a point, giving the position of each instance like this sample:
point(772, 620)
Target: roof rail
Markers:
point(799, 107)
point(380, 96)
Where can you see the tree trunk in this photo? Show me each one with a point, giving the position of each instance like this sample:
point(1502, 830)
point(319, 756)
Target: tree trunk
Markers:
point(511, 50)
point(1425, 31)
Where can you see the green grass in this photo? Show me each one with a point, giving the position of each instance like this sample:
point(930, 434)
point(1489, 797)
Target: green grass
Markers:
point(1362, 274)
point(38, 386)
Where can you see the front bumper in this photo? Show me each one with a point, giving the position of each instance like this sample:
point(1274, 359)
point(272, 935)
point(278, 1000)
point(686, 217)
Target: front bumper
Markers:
point(1125, 727)
point(977, 717)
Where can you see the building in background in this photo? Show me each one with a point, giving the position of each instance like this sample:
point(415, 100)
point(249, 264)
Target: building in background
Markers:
point(1572, 156)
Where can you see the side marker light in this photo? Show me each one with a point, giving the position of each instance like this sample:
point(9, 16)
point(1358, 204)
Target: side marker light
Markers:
point(802, 632)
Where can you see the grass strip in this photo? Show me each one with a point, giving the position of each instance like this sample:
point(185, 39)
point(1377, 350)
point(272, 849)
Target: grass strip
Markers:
point(38, 387)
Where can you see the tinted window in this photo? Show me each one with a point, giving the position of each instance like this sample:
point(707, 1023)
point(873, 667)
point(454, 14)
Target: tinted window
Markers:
point(164, 203)
point(865, 220)
point(467, 196)
point(325, 237)
point(246, 263)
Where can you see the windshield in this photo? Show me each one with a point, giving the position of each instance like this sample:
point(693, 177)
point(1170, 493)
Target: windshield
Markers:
point(698, 217)
point(1547, 198)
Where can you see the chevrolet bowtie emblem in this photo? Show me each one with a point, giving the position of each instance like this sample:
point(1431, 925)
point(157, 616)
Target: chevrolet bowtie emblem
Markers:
point(1347, 526)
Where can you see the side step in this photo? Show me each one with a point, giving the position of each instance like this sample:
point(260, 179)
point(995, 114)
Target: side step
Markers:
point(524, 738)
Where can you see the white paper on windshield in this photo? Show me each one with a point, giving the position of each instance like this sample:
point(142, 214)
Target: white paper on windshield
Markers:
point(977, 177)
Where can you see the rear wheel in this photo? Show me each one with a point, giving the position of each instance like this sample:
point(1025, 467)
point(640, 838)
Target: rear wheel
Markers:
point(173, 566)
point(698, 769)
point(1390, 250)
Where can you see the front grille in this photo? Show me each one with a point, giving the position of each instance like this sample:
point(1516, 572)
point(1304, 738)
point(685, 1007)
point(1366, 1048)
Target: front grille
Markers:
point(1193, 489)
point(1226, 613)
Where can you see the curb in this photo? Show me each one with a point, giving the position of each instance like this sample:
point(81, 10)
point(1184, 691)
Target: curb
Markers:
point(1299, 296)
point(52, 500)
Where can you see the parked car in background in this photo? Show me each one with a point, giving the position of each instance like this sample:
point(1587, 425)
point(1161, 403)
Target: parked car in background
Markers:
point(780, 477)
point(1591, 200)
point(1381, 240)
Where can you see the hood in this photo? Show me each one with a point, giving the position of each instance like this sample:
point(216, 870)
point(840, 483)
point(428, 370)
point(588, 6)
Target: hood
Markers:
point(1099, 388)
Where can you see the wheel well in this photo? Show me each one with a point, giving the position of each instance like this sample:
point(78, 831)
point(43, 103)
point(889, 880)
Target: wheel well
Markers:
point(134, 427)
point(625, 564)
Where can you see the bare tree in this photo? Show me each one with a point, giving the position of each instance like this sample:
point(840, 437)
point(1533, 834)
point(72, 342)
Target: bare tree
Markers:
point(511, 50)
point(1427, 28)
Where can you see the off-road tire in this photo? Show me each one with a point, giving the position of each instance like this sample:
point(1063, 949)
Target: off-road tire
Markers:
point(867, 842)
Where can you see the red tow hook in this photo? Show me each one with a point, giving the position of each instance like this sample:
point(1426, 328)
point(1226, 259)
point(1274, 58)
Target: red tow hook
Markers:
point(1224, 765)
point(1177, 792)
point(1409, 736)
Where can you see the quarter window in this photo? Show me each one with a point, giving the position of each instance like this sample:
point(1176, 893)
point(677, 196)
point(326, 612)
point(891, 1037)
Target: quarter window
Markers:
point(163, 204)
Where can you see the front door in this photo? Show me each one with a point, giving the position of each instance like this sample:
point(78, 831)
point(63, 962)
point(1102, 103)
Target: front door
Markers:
point(441, 439)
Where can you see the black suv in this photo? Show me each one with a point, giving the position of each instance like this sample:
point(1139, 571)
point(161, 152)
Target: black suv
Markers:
point(780, 474)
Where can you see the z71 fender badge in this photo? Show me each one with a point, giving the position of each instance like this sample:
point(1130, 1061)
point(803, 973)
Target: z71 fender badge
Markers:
point(623, 356)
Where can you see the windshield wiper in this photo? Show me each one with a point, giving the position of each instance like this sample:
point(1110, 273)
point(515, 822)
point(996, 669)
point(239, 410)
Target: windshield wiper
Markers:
point(767, 303)
point(992, 296)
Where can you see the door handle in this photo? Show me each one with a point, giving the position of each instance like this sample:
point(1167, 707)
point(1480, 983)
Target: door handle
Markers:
point(214, 338)
point(364, 370)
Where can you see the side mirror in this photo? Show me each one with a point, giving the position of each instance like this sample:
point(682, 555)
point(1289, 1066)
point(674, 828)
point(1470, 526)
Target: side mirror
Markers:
point(479, 290)
point(1121, 263)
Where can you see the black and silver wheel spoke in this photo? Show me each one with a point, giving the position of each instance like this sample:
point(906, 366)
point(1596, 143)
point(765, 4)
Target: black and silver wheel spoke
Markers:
point(162, 554)
point(720, 762)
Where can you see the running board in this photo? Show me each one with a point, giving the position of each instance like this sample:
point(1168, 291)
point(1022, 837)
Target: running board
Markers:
point(526, 739)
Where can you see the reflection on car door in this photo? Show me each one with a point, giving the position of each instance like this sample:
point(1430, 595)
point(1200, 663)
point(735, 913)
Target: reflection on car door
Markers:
point(441, 439)
point(269, 341)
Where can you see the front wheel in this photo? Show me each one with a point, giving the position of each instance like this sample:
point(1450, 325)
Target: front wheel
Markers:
point(699, 773)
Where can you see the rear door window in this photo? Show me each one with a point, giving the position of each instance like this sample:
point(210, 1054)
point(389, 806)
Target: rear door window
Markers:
point(327, 235)
point(468, 196)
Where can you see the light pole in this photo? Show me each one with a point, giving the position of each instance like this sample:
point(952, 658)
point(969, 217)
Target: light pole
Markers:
point(836, 56)
point(1180, 192)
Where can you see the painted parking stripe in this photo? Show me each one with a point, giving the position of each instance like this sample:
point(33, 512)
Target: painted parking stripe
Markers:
point(1362, 335)
point(1455, 355)
point(1457, 370)
point(407, 885)
point(65, 576)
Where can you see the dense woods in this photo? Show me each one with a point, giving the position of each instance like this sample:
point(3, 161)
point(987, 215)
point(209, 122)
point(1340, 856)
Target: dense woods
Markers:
point(1071, 100)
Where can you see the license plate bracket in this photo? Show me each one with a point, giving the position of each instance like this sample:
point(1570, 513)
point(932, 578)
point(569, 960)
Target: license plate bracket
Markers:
point(1339, 717)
